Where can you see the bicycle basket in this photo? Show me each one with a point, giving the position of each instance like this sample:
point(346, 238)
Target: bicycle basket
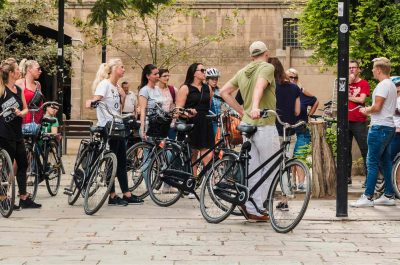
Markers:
point(235, 137)
point(119, 130)
point(30, 129)
point(159, 116)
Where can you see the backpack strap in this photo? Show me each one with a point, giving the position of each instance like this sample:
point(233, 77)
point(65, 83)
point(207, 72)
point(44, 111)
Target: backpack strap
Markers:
point(172, 91)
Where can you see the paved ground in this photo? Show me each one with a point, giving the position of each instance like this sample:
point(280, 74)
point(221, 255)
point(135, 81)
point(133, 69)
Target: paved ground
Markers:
point(147, 234)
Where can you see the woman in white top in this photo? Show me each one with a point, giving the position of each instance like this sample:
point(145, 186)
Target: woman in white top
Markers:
point(106, 89)
point(151, 95)
point(169, 92)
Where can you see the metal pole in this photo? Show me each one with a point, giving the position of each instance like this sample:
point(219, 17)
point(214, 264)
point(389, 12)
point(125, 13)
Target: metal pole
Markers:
point(60, 59)
point(342, 104)
point(104, 45)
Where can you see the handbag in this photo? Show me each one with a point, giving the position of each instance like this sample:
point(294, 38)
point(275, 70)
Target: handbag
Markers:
point(235, 137)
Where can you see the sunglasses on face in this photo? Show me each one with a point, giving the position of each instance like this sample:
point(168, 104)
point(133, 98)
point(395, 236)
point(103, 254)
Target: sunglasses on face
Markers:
point(294, 77)
point(201, 70)
point(214, 78)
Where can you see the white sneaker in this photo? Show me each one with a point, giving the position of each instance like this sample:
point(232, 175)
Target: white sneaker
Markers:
point(191, 196)
point(385, 201)
point(362, 202)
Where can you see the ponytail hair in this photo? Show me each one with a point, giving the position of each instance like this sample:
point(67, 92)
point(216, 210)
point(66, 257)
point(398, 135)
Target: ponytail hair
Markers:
point(25, 64)
point(104, 71)
point(6, 66)
point(146, 71)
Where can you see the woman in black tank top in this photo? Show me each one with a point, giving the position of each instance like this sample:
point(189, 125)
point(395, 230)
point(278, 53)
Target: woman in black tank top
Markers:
point(11, 126)
point(196, 95)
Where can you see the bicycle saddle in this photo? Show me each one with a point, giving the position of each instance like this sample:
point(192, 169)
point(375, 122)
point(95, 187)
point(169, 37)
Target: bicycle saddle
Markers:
point(96, 129)
point(249, 130)
point(49, 120)
point(183, 127)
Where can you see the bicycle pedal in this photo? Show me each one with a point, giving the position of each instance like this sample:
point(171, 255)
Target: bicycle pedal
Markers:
point(67, 191)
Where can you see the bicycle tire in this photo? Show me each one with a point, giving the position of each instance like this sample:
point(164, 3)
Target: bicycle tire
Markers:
point(32, 175)
point(218, 174)
point(54, 169)
point(285, 219)
point(136, 167)
point(7, 184)
point(396, 177)
point(160, 194)
point(98, 180)
point(78, 167)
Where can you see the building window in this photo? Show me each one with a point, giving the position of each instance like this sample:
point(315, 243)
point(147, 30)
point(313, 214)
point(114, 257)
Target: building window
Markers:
point(290, 37)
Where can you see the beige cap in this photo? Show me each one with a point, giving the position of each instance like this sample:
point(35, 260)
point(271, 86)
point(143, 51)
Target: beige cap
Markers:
point(257, 48)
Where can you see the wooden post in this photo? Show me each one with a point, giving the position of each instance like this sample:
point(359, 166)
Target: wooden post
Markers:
point(323, 163)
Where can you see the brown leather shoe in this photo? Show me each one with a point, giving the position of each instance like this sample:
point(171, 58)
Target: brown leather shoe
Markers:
point(255, 218)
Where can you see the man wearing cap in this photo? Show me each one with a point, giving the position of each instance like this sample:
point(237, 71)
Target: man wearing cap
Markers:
point(256, 84)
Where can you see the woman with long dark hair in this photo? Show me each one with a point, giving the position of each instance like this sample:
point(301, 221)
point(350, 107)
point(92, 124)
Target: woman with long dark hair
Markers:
point(194, 94)
point(11, 138)
point(287, 101)
point(150, 96)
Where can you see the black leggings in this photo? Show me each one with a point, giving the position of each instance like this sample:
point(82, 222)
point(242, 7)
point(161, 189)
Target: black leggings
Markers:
point(16, 150)
point(118, 147)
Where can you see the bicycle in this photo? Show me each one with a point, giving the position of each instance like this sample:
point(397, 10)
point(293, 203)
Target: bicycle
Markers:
point(7, 178)
point(43, 156)
point(96, 165)
point(140, 154)
point(172, 165)
point(227, 183)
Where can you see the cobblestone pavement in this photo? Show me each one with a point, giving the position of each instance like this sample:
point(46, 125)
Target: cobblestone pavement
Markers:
point(148, 234)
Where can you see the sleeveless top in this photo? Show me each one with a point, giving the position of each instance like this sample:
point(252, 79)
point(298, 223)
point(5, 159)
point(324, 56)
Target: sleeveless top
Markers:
point(28, 97)
point(202, 135)
point(11, 125)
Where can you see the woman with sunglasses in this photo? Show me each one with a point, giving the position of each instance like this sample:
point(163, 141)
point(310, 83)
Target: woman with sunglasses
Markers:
point(30, 72)
point(303, 133)
point(195, 95)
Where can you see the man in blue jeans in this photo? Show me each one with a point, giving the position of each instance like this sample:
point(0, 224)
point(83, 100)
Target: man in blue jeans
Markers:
point(380, 135)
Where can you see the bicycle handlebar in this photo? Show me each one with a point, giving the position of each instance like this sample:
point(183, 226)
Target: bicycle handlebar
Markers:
point(264, 114)
point(101, 104)
point(52, 103)
point(12, 109)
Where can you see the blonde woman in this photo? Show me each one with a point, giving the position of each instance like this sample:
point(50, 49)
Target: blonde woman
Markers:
point(11, 138)
point(30, 72)
point(106, 89)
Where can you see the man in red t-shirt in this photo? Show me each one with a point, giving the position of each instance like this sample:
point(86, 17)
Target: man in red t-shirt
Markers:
point(358, 92)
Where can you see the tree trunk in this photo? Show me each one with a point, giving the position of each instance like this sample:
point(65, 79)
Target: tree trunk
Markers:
point(323, 163)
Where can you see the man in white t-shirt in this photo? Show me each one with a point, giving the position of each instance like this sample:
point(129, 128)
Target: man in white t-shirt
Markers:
point(380, 135)
point(130, 99)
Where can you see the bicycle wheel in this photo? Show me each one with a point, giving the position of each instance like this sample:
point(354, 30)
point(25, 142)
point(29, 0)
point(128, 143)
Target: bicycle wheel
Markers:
point(100, 183)
point(396, 177)
point(161, 193)
point(225, 172)
point(137, 163)
point(53, 169)
point(32, 176)
point(7, 184)
point(78, 176)
point(286, 205)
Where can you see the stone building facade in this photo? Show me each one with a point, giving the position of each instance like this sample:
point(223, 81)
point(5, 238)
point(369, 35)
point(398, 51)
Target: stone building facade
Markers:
point(263, 20)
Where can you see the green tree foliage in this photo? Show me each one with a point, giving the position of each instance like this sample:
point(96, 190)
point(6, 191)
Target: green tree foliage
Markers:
point(17, 40)
point(374, 31)
point(147, 27)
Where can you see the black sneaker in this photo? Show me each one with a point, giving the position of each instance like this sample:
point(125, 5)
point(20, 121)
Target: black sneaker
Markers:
point(29, 204)
point(117, 201)
point(17, 208)
point(132, 200)
point(283, 206)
